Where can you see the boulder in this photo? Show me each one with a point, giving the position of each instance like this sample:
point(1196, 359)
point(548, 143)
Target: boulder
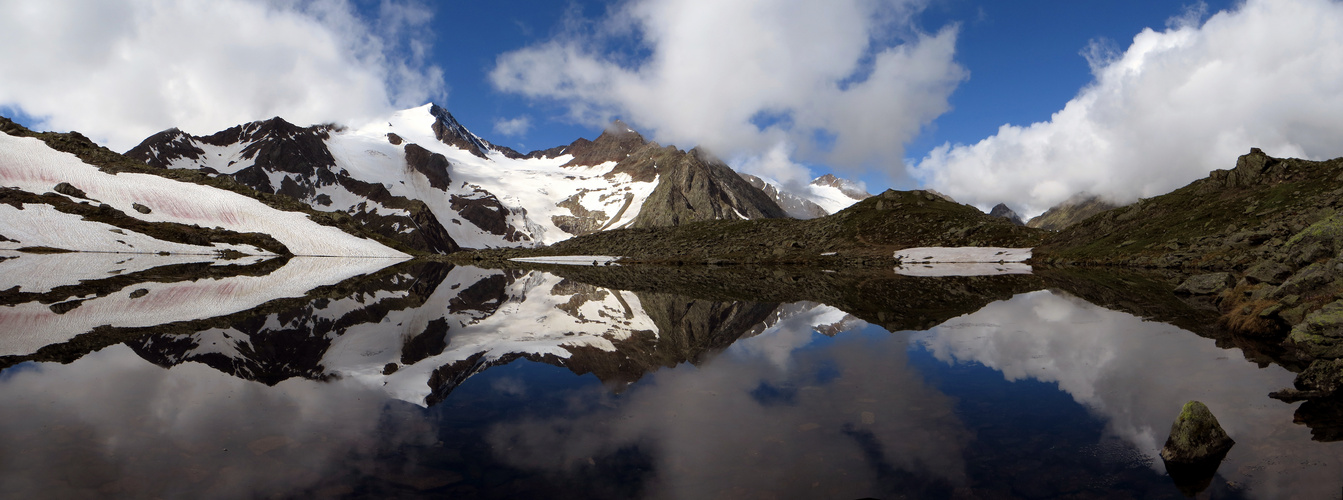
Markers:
point(1205, 284)
point(1269, 272)
point(1322, 376)
point(1319, 334)
point(1196, 437)
point(67, 189)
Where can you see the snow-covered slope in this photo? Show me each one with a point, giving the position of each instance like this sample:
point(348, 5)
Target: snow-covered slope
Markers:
point(420, 171)
point(30, 167)
point(823, 196)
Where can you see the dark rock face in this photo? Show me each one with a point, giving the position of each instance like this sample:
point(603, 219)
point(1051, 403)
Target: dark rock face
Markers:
point(615, 143)
point(141, 208)
point(695, 187)
point(1002, 210)
point(433, 165)
point(452, 133)
point(486, 212)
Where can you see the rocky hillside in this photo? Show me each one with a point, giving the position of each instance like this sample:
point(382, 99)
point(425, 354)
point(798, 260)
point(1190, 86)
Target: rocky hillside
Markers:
point(1071, 211)
point(421, 177)
point(1263, 241)
point(869, 230)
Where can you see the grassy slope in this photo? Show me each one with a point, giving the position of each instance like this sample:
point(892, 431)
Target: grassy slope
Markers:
point(1207, 224)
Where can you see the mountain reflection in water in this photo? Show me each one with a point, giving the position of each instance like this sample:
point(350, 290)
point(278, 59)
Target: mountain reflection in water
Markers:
point(428, 380)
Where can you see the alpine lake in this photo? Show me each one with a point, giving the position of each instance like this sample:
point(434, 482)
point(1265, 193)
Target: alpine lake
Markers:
point(143, 376)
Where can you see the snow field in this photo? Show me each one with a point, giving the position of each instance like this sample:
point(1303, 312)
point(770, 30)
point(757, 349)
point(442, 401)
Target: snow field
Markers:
point(28, 164)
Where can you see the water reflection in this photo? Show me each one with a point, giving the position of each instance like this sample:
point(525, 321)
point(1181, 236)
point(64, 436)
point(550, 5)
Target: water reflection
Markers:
point(424, 379)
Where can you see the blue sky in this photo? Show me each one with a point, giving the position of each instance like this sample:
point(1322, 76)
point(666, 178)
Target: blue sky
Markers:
point(1026, 102)
point(1024, 58)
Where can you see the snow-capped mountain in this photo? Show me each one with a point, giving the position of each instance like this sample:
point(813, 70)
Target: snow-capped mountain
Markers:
point(54, 199)
point(421, 177)
point(823, 196)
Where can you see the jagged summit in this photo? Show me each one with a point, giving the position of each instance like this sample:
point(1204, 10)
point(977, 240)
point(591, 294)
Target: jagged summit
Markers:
point(451, 132)
point(1002, 210)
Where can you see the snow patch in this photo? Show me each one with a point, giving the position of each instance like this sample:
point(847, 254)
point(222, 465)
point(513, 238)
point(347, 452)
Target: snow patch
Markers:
point(571, 260)
point(962, 254)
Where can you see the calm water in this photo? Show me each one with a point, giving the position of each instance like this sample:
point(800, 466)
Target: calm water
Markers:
point(288, 380)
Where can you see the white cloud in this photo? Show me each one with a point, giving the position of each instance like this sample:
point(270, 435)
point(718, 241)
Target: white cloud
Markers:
point(513, 127)
point(1172, 107)
point(847, 81)
point(120, 70)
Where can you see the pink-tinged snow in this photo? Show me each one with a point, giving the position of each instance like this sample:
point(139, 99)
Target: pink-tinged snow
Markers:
point(962, 254)
point(530, 189)
point(40, 273)
point(44, 226)
point(27, 327)
point(962, 269)
point(529, 321)
point(30, 165)
point(571, 260)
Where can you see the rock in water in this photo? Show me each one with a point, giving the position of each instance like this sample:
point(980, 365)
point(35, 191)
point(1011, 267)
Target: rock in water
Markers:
point(1195, 436)
point(1195, 448)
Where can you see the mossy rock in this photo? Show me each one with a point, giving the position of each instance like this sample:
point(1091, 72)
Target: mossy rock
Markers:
point(1319, 335)
point(1205, 284)
point(1196, 437)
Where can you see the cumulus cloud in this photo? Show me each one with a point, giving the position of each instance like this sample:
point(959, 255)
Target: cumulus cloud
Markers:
point(1173, 106)
point(120, 70)
point(847, 82)
point(513, 127)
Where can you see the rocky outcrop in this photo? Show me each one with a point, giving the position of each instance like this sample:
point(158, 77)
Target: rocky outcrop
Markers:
point(695, 186)
point(1002, 210)
point(1073, 210)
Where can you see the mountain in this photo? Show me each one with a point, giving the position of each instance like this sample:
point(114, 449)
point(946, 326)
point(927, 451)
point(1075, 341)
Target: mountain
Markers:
point(868, 231)
point(64, 192)
point(421, 177)
point(1002, 210)
point(1071, 211)
point(825, 195)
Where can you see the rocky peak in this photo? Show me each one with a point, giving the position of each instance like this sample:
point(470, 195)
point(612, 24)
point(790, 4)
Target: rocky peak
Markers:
point(1251, 169)
point(1002, 210)
point(451, 132)
point(845, 186)
point(1073, 210)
